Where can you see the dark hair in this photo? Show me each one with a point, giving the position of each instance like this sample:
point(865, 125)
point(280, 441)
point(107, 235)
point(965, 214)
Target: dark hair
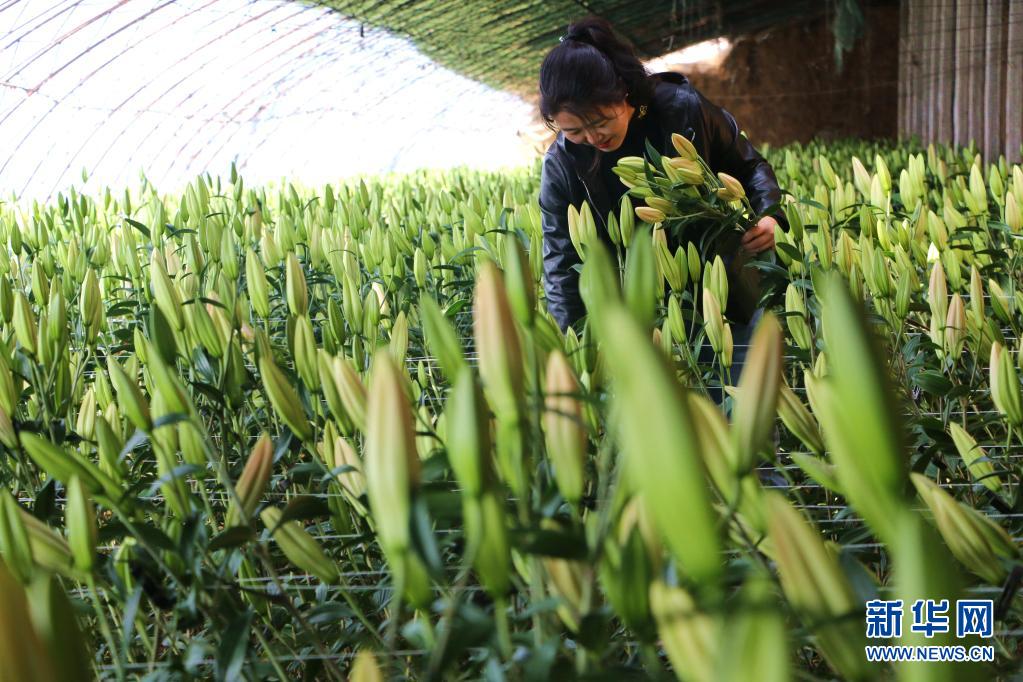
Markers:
point(590, 68)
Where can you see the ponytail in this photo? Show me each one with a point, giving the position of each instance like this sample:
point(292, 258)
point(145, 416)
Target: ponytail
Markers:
point(591, 68)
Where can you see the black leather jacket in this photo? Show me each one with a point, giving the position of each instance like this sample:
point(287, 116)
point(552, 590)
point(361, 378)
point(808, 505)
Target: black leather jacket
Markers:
point(565, 179)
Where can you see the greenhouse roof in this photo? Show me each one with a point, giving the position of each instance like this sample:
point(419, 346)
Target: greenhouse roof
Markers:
point(502, 43)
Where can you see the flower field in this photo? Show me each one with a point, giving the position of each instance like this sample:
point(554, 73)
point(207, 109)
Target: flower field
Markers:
point(328, 432)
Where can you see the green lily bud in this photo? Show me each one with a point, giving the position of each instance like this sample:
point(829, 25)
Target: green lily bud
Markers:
point(564, 427)
point(305, 352)
point(486, 528)
point(519, 282)
point(284, 398)
point(365, 668)
point(392, 462)
point(719, 280)
point(166, 295)
point(255, 278)
point(1005, 389)
point(21, 649)
point(252, 483)
point(300, 547)
point(85, 425)
point(497, 343)
point(295, 287)
point(798, 420)
point(54, 620)
point(14, 542)
point(80, 519)
point(441, 338)
point(757, 400)
point(626, 220)
point(468, 435)
point(712, 320)
point(975, 458)
point(91, 305)
point(62, 466)
point(24, 323)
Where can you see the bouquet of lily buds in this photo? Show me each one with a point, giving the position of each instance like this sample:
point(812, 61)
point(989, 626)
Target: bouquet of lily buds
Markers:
point(697, 218)
point(680, 192)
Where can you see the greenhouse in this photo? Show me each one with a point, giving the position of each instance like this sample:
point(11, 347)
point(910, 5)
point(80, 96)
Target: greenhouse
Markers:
point(559, 340)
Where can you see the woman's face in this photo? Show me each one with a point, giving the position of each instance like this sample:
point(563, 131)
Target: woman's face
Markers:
point(605, 129)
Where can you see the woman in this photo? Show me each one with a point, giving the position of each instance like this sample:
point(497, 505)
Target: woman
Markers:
point(597, 94)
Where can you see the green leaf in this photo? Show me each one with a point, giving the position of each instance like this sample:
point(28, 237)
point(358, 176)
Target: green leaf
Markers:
point(933, 382)
point(304, 508)
point(155, 537)
point(552, 543)
point(235, 536)
point(138, 226)
point(231, 652)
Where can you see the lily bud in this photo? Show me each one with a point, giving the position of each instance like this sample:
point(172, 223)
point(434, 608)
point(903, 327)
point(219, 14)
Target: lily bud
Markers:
point(295, 287)
point(1005, 389)
point(468, 434)
point(650, 215)
point(719, 280)
point(976, 292)
point(441, 338)
point(91, 305)
point(80, 519)
point(365, 668)
point(564, 427)
point(305, 352)
point(757, 400)
point(798, 420)
point(727, 345)
point(486, 526)
point(684, 147)
point(712, 320)
point(252, 483)
point(258, 288)
point(690, 637)
point(497, 343)
point(626, 220)
point(284, 398)
point(937, 292)
point(1000, 302)
point(519, 281)
point(392, 462)
point(955, 326)
point(975, 458)
point(24, 323)
point(23, 653)
point(733, 189)
point(975, 540)
point(129, 398)
point(165, 295)
point(300, 547)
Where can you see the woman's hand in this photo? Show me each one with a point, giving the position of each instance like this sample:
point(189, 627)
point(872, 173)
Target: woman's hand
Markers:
point(760, 237)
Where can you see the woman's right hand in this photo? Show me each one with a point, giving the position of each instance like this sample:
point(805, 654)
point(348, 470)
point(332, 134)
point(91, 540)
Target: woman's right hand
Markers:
point(760, 237)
